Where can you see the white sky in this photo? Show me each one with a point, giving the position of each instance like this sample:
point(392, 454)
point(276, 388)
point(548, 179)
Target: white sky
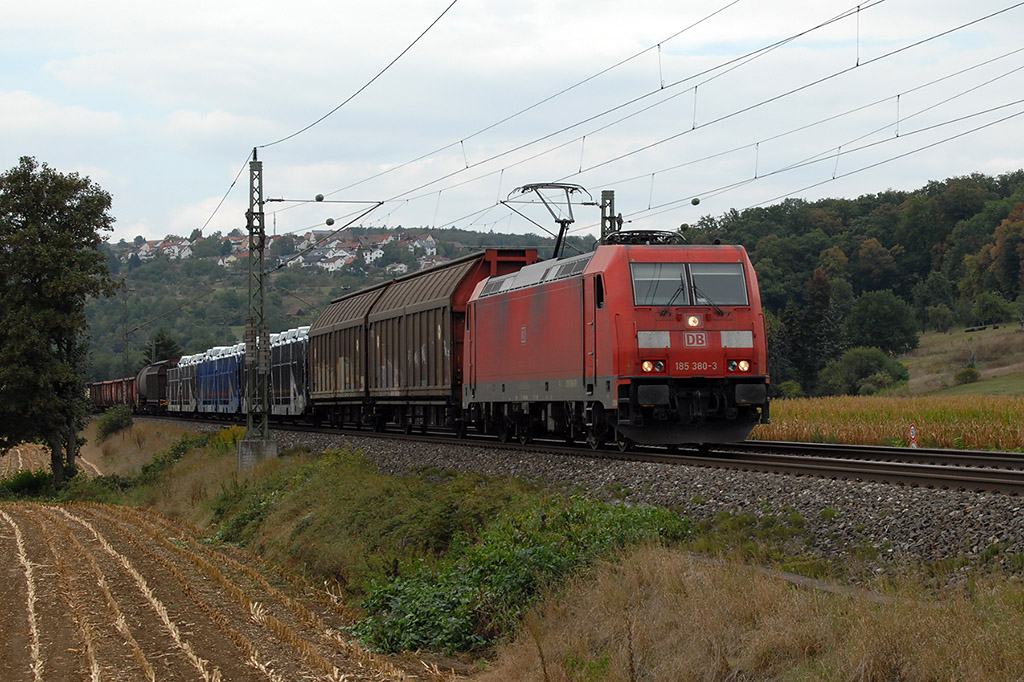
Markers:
point(162, 104)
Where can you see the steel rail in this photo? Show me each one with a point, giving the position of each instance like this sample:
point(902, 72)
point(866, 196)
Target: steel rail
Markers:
point(980, 471)
point(881, 453)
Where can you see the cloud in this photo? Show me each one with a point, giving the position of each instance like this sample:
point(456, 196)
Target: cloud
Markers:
point(25, 113)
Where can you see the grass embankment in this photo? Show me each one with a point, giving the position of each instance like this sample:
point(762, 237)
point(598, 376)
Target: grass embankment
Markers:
point(551, 587)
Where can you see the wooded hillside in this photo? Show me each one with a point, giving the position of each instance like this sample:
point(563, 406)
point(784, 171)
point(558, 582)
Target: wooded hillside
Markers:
point(837, 276)
point(873, 271)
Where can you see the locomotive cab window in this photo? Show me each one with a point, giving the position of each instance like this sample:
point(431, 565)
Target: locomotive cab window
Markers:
point(682, 284)
point(719, 284)
point(659, 284)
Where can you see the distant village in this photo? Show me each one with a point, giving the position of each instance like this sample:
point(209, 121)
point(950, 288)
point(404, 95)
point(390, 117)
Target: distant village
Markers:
point(397, 253)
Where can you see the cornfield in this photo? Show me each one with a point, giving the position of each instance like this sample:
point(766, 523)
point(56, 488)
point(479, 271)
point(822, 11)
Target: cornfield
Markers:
point(969, 422)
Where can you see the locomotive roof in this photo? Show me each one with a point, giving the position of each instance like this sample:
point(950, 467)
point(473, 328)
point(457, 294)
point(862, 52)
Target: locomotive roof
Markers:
point(545, 271)
point(421, 289)
point(565, 268)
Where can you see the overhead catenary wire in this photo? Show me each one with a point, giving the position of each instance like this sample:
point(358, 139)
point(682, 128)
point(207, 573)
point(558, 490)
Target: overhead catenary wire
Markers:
point(542, 101)
point(407, 195)
point(728, 64)
point(744, 58)
point(799, 88)
point(365, 85)
point(672, 205)
point(879, 58)
point(830, 152)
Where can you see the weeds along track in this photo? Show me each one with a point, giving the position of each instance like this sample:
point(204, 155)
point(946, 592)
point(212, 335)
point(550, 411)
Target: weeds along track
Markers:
point(96, 592)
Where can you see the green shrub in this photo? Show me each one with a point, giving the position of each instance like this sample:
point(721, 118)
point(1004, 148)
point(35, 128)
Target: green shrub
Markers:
point(113, 420)
point(791, 389)
point(967, 375)
point(479, 592)
point(26, 484)
point(861, 371)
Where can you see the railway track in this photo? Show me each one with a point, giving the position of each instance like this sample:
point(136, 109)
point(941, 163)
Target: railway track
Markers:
point(948, 469)
point(981, 471)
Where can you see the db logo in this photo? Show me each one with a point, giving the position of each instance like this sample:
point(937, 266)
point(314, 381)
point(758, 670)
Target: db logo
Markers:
point(695, 339)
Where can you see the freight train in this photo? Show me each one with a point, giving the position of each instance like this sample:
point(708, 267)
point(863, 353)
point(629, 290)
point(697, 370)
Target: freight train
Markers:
point(642, 340)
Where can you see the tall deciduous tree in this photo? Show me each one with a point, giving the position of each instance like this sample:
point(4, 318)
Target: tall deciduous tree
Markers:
point(880, 319)
point(50, 264)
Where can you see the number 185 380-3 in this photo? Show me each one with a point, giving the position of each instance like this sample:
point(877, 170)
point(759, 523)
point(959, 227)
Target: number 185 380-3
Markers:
point(697, 366)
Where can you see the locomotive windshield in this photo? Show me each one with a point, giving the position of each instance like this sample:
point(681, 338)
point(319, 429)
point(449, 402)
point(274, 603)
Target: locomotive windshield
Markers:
point(663, 284)
point(719, 283)
point(659, 283)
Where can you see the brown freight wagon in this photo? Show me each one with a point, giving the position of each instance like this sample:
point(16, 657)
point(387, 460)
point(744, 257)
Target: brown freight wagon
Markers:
point(392, 354)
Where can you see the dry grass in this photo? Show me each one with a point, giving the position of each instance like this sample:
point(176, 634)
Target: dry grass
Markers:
point(972, 422)
point(662, 615)
point(125, 452)
point(994, 352)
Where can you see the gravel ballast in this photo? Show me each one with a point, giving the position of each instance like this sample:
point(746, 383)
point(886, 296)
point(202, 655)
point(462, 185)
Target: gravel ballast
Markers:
point(895, 523)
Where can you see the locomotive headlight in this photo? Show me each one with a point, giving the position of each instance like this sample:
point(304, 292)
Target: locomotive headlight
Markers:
point(738, 365)
point(693, 321)
point(652, 366)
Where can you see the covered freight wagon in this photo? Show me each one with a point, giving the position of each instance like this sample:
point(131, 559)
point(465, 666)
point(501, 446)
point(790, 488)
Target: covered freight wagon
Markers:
point(288, 375)
point(220, 380)
point(104, 394)
point(151, 387)
point(393, 353)
point(181, 384)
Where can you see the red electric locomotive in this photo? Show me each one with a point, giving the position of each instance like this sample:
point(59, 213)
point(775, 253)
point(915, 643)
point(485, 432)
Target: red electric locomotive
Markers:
point(643, 340)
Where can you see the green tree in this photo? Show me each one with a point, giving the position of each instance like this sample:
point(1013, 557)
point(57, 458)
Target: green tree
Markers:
point(990, 308)
point(208, 247)
point(281, 247)
point(883, 320)
point(860, 371)
point(162, 346)
point(1005, 258)
point(939, 317)
point(51, 264)
point(874, 267)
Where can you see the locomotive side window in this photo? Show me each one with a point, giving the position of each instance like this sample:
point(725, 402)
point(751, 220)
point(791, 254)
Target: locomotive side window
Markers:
point(719, 283)
point(599, 292)
point(659, 284)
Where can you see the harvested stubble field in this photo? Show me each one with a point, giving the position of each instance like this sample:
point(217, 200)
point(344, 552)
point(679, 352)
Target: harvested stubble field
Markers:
point(25, 457)
point(98, 592)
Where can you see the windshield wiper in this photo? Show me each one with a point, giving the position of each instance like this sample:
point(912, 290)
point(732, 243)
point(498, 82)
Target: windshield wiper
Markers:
point(681, 289)
point(709, 302)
